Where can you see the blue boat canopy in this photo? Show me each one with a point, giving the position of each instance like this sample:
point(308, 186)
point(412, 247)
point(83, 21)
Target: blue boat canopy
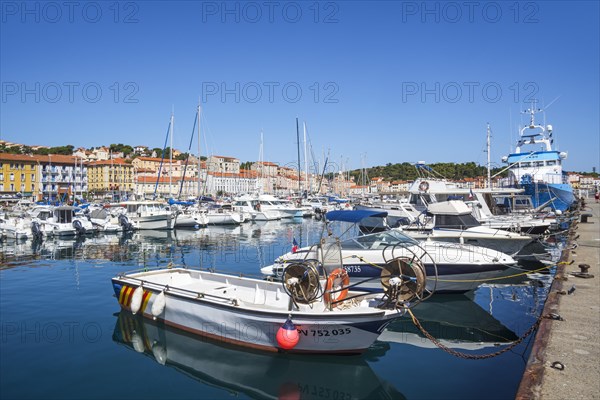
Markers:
point(353, 216)
point(181, 203)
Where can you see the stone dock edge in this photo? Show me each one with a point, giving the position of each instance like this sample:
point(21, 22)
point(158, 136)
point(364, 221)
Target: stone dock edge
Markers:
point(565, 357)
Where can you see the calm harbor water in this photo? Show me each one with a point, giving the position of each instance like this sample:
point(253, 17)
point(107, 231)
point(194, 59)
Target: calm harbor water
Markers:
point(62, 335)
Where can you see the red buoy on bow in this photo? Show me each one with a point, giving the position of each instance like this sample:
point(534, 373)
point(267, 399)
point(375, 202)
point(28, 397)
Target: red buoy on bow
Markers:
point(287, 335)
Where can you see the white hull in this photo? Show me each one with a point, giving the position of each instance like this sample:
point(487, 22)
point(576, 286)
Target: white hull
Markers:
point(270, 215)
point(499, 240)
point(224, 218)
point(460, 267)
point(161, 221)
point(190, 221)
point(249, 312)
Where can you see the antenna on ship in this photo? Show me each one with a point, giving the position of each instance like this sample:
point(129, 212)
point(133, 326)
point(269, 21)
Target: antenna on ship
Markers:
point(489, 163)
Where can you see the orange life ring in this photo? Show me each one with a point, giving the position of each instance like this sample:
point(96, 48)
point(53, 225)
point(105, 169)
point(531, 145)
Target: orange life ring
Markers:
point(337, 280)
point(424, 186)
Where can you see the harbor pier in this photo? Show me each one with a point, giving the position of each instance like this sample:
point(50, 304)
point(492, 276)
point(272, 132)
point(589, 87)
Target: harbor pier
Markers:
point(565, 359)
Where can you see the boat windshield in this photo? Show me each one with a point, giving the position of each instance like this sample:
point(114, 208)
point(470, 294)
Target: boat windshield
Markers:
point(456, 221)
point(64, 216)
point(377, 240)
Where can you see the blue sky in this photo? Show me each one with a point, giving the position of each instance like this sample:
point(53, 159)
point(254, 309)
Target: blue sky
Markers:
point(382, 82)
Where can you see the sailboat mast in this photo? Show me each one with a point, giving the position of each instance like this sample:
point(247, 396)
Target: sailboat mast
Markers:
point(488, 145)
point(308, 189)
point(199, 148)
point(171, 157)
point(261, 165)
point(298, 147)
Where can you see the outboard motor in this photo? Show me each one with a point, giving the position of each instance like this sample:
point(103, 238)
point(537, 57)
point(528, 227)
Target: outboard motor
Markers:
point(124, 222)
point(78, 227)
point(36, 230)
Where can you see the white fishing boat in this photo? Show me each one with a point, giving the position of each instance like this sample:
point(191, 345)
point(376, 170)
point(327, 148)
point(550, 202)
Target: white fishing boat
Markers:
point(450, 267)
point(303, 313)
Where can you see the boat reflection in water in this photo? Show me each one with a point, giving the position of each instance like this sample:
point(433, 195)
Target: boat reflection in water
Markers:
point(256, 374)
point(454, 320)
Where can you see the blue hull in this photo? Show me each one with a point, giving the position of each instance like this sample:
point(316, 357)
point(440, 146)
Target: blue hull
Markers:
point(542, 192)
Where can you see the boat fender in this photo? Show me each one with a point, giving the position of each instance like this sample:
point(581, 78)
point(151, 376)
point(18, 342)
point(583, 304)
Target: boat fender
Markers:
point(137, 342)
point(287, 335)
point(136, 299)
point(160, 353)
point(337, 281)
point(159, 305)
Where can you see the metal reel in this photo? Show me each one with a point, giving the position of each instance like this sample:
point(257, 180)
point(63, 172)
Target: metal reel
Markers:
point(301, 282)
point(403, 279)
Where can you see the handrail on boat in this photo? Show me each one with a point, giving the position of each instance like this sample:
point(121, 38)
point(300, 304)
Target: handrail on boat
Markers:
point(167, 288)
point(199, 269)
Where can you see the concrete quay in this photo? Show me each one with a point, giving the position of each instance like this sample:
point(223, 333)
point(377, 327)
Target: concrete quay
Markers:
point(565, 358)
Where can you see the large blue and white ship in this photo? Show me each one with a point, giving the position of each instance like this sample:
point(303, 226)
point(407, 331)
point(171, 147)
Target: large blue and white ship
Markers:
point(539, 170)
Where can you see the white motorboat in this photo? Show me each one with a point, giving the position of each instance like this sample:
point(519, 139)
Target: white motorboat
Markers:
point(59, 221)
point(189, 218)
point(399, 214)
point(452, 221)
point(250, 206)
point(222, 216)
point(424, 192)
point(451, 267)
point(147, 214)
point(266, 202)
point(105, 222)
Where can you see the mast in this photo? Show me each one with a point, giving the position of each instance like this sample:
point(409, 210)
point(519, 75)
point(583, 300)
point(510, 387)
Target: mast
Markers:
point(261, 165)
point(308, 189)
point(199, 148)
point(171, 156)
point(488, 144)
point(298, 147)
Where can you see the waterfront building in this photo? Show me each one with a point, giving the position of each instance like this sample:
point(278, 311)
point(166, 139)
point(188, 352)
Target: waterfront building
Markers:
point(150, 187)
point(221, 164)
point(61, 177)
point(231, 183)
point(108, 177)
point(152, 166)
point(18, 174)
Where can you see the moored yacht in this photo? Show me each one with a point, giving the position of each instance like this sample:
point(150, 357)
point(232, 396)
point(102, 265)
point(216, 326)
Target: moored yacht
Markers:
point(450, 267)
point(147, 214)
point(453, 221)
